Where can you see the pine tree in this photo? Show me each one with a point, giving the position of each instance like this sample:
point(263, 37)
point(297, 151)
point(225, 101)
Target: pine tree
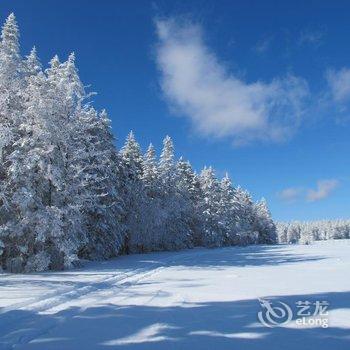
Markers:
point(213, 229)
point(175, 226)
point(11, 119)
point(264, 223)
point(150, 173)
point(134, 196)
point(93, 183)
point(229, 211)
point(247, 234)
point(10, 86)
point(167, 165)
point(10, 59)
point(132, 158)
point(189, 190)
point(32, 65)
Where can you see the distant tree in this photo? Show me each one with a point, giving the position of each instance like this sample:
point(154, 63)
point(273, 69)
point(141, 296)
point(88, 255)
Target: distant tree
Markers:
point(309, 231)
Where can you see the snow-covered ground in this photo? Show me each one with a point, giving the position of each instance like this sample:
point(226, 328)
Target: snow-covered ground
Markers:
point(194, 299)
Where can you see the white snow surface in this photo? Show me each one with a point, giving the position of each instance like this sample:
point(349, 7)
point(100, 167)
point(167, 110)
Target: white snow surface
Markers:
point(192, 299)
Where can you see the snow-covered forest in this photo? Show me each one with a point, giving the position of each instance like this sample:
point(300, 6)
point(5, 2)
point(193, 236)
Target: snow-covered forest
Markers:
point(310, 231)
point(67, 194)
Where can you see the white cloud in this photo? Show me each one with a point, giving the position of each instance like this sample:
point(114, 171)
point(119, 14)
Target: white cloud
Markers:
point(324, 189)
point(218, 103)
point(339, 84)
point(290, 194)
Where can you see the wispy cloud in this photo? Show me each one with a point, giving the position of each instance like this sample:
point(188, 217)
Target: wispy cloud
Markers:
point(339, 84)
point(263, 45)
point(290, 194)
point(336, 98)
point(219, 103)
point(323, 190)
point(311, 37)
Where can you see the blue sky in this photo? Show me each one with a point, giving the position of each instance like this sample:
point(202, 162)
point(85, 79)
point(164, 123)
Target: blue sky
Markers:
point(258, 89)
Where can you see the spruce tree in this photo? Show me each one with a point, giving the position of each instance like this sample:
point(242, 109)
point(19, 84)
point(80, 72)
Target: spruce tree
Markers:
point(175, 226)
point(189, 189)
point(213, 229)
point(264, 223)
point(150, 173)
point(133, 196)
point(229, 211)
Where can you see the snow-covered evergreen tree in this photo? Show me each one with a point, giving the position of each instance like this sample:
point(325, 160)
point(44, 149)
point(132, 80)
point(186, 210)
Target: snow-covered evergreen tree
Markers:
point(93, 184)
point(150, 173)
point(264, 224)
point(213, 227)
point(134, 196)
point(175, 228)
point(246, 229)
point(12, 134)
point(229, 211)
point(10, 59)
point(189, 189)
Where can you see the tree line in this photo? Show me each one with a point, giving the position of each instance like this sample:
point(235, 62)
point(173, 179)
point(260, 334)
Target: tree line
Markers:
point(67, 194)
point(306, 232)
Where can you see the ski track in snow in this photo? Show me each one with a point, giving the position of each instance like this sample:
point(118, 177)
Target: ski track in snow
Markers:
point(194, 299)
point(51, 300)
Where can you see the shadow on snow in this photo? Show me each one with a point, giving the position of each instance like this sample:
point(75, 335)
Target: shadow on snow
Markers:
point(211, 325)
